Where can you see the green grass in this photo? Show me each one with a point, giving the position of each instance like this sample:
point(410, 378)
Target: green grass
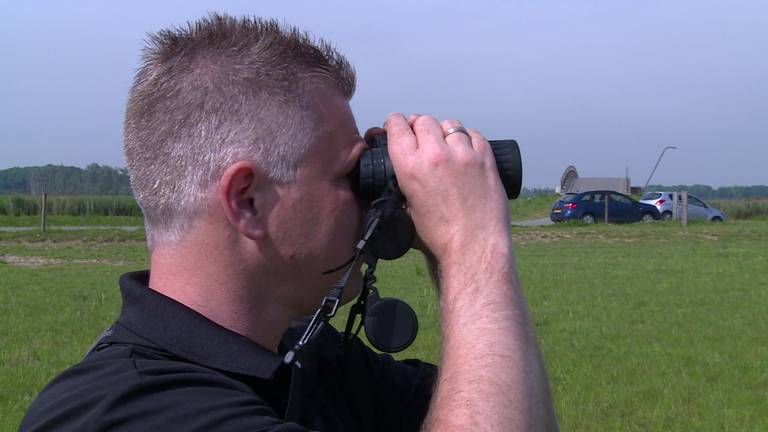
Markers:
point(643, 326)
point(94, 235)
point(68, 220)
point(535, 207)
point(653, 326)
point(50, 314)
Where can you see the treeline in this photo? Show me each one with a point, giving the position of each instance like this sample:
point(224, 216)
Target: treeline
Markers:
point(100, 180)
point(725, 192)
point(536, 191)
point(95, 179)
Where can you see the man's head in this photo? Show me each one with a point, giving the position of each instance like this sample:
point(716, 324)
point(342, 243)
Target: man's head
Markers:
point(218, 91)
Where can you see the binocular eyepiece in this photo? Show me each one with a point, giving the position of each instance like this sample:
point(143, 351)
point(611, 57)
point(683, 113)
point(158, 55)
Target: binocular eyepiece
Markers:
point(374, 170)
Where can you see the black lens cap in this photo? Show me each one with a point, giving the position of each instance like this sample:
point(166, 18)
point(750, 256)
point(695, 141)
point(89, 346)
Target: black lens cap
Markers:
point(391, 325)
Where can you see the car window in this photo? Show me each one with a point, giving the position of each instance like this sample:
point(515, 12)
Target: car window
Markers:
point(587, 197)
point(651, 196)
point(620, 199)
point(695, 201)
point(598, 197)
point(568, 198)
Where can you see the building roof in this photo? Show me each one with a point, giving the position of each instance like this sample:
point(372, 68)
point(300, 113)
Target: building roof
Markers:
point(583, 184)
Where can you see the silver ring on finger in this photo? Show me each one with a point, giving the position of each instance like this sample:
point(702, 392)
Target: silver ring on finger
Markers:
point(459, 129)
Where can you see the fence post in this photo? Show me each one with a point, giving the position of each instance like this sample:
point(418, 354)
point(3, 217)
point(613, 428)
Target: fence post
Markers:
point(606, 207)
point(675, 200)
point(685, 208)
point(43, 205)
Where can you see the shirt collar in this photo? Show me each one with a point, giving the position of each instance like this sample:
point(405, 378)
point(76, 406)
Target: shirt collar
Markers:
point(188, 334)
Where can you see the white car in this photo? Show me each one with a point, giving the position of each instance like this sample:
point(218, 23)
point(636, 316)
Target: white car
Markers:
point(697, 209)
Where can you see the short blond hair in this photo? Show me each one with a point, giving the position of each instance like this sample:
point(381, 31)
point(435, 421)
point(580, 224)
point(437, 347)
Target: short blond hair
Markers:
point(220, 90)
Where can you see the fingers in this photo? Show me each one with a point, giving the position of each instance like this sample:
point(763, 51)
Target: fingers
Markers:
point(479, 142)
point(455, 133)
point(424, 132)
point(428, 132)
point(400, 137)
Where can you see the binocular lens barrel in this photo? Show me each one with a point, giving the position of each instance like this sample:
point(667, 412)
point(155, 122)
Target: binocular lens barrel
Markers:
point(375, 170)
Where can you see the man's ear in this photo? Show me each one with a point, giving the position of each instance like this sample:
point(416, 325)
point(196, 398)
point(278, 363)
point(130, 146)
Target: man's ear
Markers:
point(241, 193)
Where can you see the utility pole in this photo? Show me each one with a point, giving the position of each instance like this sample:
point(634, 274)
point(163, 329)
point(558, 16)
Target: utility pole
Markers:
point(657, 164)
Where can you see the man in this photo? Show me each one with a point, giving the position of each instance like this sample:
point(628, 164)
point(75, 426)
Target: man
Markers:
point(239, 140)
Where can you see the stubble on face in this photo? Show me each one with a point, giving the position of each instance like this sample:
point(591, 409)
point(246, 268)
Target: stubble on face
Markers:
point(317, 221)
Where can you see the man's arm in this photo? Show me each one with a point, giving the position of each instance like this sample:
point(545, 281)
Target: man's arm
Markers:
point(491, 375)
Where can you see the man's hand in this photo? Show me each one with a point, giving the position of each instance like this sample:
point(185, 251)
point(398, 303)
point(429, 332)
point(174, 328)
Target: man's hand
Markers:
point(454, 193)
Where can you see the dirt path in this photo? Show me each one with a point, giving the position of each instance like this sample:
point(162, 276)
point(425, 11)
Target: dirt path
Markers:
point(532, 222)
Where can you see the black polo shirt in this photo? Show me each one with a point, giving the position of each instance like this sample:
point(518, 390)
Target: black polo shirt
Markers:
point(163, 366)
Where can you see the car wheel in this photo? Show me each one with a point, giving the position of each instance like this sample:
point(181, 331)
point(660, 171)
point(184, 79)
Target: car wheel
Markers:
point(588, 219)
point(667, 216)
point(717, 219)
point(647, 217)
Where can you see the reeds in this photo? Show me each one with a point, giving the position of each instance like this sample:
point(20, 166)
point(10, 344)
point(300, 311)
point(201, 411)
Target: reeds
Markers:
point(753, 208)
point(26, 205)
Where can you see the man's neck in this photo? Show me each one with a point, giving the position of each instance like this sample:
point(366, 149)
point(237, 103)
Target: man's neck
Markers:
point(214, 283)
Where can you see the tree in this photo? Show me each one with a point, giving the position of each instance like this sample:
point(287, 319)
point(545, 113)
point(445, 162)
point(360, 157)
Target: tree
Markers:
point(95, 179)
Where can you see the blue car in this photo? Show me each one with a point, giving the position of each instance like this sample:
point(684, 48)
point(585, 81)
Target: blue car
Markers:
point(589, 207)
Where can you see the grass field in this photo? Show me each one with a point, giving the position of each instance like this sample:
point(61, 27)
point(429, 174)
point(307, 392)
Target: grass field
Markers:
point(643, 327)
point(70, 220)
point(535, 207)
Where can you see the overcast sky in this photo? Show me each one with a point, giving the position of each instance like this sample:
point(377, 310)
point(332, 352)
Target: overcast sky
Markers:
point(601, 85)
